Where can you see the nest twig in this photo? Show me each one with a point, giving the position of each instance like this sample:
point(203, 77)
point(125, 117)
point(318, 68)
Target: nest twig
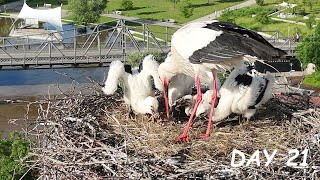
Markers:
point(93, 137)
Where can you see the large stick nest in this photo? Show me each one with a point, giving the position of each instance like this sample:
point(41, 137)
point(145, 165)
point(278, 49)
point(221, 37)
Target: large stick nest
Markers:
point(94, 137)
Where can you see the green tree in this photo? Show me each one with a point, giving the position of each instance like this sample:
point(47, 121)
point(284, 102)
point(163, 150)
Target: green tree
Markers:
point(86, 11)
point(174, 2)
point(186, 9)
point(260, 2)
point(126, 4)
point(12, 151)
point(310, 21)
point(308, 50)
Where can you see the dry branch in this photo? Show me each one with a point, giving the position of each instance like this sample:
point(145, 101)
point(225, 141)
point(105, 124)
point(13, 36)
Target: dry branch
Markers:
point(92, 136)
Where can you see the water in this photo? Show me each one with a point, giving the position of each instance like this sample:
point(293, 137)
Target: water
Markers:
point(33, 83)
point(29, 85)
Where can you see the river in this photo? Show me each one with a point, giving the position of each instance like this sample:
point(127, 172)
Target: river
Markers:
point(22, 85)
point(32, 84)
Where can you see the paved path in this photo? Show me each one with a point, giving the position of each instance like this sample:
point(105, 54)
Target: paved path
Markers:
point(216, 14)
point(289, 21)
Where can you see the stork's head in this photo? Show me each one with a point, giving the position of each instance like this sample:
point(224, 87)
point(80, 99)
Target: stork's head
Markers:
point(151, 105)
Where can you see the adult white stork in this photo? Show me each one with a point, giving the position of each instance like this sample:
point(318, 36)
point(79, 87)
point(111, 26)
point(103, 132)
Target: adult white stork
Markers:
point(211, 45)
point(139, 87)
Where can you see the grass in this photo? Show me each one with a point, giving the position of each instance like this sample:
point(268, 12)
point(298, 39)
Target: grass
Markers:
point(158, 31)
point(313, 79)
point(155, 10)
point(244, 18)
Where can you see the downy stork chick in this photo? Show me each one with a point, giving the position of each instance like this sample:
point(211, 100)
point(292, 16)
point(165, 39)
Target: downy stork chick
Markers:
point(205, 104)
point(243, 93)
point(138, 88)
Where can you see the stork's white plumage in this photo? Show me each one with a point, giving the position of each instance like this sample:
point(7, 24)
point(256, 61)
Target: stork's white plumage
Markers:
point(138, 90)
point(211, 45)
point(243, 93)
point(180, 85)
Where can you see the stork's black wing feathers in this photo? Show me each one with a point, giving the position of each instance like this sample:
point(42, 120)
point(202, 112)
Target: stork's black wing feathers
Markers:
point(234, 41)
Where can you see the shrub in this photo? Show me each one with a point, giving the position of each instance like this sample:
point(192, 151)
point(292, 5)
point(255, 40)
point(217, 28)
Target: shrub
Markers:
point(12, 151)
point(126, 4)
point(308, 50)
point(230, 16)
point(186, 9)
point(227, 16)
point(135, 58)
point(260, 2)
point(262, 17)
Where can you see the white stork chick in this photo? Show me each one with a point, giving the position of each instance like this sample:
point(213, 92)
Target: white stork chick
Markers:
point(243, 93)
point(205, 104)
point(180, 85)
point(211, 46)
point(138, 88)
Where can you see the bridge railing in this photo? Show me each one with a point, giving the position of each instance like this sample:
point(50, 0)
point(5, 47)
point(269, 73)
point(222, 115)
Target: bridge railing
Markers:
point(281, 41)
point(100, 44)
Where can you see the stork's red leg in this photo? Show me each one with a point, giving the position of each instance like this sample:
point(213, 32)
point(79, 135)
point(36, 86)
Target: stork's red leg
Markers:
point(214, 97)
point(165, 95)
point(184, 135)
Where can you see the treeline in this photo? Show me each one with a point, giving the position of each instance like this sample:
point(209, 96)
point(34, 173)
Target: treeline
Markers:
point(6, 1)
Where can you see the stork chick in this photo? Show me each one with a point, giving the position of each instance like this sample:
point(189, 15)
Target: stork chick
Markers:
point(138, 88)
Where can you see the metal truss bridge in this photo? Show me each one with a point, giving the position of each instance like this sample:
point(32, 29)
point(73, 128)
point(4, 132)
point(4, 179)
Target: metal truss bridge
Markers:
point(104, 43)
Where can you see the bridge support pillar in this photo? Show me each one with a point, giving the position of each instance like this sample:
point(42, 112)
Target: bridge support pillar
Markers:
point(25, 66)
point(0, 67)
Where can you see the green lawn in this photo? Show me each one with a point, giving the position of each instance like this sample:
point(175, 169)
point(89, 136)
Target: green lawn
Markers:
point(313, 79)
point(283, 27)
point(158, 9)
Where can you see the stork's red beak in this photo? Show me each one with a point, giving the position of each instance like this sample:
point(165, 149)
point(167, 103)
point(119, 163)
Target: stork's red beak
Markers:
point(165, 94)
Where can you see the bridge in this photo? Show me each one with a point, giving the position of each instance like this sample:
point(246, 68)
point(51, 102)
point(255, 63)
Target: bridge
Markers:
point(106, 42)
point(113, 40)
